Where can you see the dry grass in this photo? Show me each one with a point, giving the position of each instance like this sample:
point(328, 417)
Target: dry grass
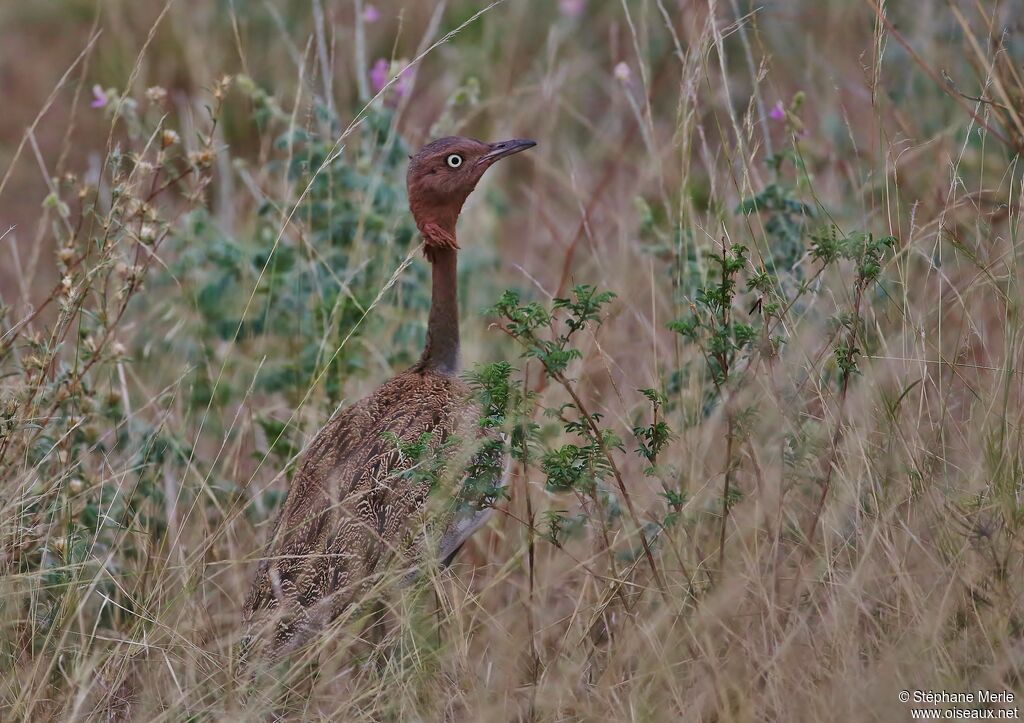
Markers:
point(874, 544)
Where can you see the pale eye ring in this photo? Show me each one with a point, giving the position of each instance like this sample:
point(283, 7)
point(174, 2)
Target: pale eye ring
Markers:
point(454, 160)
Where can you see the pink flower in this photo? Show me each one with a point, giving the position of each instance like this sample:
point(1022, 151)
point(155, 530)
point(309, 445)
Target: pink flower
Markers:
point(371, 14)
point(383, 71)
point(379, 74)
point(572, 8)
point(778, 112)
point(402, 84)
point(622, 72)
point(99, 97)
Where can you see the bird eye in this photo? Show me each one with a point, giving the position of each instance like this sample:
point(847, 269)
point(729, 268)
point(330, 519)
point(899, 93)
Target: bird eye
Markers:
point(454, 160)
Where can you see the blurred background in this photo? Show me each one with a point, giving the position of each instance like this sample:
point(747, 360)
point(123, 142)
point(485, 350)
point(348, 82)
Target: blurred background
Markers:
point(205, 250)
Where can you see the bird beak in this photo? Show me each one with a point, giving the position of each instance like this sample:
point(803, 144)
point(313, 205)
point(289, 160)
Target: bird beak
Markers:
point(502, 149)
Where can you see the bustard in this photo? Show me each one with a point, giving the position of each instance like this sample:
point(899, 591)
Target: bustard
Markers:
point(349, 508)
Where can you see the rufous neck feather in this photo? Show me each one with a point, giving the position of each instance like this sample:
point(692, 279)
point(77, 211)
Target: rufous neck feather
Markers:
point(442, 348)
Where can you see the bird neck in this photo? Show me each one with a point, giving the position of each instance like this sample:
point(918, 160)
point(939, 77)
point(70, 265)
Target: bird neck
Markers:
point(442, 349)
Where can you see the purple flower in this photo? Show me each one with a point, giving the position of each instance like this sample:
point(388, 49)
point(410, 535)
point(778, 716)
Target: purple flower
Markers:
point(379, 74)
point(384, 72)
point(622, 72)
point(371, 14)
point(572, 8)
point(99, 97)
point(778, 112)
point(402, 84)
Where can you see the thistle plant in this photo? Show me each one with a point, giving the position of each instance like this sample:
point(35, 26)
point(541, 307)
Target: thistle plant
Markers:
point(68, 415)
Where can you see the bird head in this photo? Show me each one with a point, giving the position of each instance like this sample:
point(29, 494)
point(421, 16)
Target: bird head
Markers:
point(442, 175)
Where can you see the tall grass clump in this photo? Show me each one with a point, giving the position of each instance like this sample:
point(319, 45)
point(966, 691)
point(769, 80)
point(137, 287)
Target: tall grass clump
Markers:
point(748, 328)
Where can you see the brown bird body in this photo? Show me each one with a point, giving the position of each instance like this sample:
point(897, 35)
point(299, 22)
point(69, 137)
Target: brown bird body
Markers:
point(350, 510)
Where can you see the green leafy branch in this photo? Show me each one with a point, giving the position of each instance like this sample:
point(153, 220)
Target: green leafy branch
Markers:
point(571, 466)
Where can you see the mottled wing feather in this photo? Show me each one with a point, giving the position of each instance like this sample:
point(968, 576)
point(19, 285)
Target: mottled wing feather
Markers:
point(348, 507)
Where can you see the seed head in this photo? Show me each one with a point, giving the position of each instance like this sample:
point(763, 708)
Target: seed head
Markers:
point(156, 95)
point(168, 138)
